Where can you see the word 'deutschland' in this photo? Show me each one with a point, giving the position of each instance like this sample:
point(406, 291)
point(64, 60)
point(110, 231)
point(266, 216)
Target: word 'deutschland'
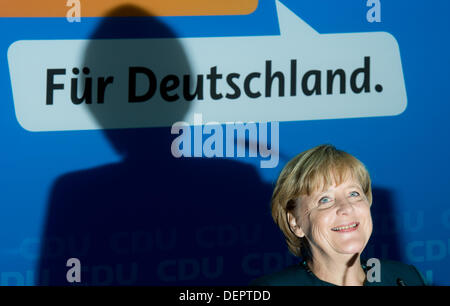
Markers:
point(173, 87)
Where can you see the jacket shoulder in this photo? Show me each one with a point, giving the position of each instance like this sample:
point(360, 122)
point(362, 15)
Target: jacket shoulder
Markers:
point(395, 273)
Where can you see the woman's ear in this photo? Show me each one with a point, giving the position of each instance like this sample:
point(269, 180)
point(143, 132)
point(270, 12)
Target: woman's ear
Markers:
point(294, 226)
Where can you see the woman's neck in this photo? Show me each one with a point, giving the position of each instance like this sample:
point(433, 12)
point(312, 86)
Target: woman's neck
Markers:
point(341, 271)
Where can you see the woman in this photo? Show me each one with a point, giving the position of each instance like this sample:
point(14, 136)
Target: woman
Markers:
point(321, 203)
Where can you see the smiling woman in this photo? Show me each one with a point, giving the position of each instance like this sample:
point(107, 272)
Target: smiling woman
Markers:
point(321, 203)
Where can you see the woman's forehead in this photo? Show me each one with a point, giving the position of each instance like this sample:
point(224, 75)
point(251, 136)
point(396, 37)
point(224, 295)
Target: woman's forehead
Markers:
point(335, 181)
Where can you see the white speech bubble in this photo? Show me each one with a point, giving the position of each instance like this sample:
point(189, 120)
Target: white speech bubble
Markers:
point(299, 53)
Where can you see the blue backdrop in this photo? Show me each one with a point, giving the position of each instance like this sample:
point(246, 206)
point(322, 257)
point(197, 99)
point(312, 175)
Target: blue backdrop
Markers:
point(133, 214)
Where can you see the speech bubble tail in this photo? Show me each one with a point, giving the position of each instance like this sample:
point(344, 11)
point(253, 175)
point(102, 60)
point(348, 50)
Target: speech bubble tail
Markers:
point(291, 23)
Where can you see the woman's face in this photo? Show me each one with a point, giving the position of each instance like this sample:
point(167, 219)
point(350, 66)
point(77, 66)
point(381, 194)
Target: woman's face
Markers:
point(336, 221)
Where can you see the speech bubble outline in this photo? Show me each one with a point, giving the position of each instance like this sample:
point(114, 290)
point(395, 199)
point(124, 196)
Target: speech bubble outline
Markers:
point(244, 55)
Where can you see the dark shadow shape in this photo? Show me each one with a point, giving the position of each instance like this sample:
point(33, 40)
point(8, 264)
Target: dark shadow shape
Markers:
point(384, 242)
point(152, 219)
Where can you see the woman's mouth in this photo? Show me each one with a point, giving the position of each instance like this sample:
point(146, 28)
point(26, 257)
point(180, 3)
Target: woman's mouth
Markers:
point(346, 227)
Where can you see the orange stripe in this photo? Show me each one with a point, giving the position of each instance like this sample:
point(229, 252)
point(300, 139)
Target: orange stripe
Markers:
point(98, 8)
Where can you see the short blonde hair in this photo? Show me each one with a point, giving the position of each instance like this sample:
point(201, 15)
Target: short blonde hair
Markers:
point(305, 174)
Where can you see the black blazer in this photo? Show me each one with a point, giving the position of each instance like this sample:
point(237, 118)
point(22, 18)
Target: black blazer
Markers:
point(393, 273)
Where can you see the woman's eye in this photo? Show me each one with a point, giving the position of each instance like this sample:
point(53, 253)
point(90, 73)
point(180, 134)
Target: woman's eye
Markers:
point(354, 194)
point(324, 200)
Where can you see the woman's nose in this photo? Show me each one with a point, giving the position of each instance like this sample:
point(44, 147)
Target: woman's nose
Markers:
point(343, 206)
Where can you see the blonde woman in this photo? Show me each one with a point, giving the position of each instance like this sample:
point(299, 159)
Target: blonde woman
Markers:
point(321, 203)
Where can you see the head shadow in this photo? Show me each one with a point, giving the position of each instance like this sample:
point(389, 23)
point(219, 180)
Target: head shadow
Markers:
point(151, 219)
point(131, 76)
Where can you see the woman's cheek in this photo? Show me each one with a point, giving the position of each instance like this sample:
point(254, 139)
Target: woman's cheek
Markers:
point(367, 221)
point(323, 222)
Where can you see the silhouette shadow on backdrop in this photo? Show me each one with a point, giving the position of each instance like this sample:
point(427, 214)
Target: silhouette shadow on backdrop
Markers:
point(152, 219)
point(384, 242)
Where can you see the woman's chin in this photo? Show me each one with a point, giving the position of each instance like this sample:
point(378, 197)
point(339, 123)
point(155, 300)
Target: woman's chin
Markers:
point(351, 248)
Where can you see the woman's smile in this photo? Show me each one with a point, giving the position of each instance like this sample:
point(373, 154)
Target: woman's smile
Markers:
point(350, 227)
